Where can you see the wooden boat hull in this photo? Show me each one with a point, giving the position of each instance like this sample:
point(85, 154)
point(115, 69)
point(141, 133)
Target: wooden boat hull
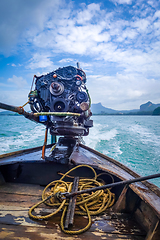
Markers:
point(24, 174)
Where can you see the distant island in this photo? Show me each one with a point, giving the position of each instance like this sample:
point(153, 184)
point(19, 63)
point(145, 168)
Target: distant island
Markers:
point(148, 108)
point(8, 113)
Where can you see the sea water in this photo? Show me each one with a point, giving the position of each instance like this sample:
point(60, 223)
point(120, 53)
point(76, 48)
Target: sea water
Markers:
point(132, 140)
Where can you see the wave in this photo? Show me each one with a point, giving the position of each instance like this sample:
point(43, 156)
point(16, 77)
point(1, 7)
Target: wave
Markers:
point(134, 141)
point(99, 133)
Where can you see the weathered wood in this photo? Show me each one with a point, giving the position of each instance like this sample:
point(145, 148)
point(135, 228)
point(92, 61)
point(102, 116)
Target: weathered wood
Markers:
point(2, 181)
point(23, 195)
point(152, 231)
point(18, 200)
point(22, 189)
point(15, 200)
point(118, 223)
point(121, 202)
point(10, 232)
point(16, 224)
point(145, 216)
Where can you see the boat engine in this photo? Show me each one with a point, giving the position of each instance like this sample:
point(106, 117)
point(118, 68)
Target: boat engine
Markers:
point(62, 101)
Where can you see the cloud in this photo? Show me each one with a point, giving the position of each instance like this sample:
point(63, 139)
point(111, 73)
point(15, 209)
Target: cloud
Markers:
point(119, 46)
point(120, 41)
point(91, 31)
point(122, 1)
point(91, 11)
point(14, 97)
point(19, 82)
point(123, 90)
point(106, 37)
point(14, 91)
point(40, 60)
point(20, 19)
point(67, 60)
point(141, 25)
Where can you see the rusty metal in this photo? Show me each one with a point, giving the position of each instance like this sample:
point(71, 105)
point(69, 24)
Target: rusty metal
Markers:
point(68, 195)
point(19, 110)
point(11, 108)
point(45, 143)
point(72, 204)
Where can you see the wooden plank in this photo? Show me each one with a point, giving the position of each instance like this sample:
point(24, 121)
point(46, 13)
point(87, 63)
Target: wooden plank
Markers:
point(16, 215)
point(119, 223)
point(23, 195)
point(12, 214)
point(144, 215)
point(18, 200)
point(2, 181)
point(152, 233)
point(30, 233)
point(121, 202)
point(22, 189)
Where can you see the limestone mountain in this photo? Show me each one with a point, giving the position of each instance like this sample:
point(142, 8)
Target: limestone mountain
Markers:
point(149, 107)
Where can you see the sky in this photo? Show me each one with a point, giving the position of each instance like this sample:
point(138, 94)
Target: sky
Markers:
point(116, 42)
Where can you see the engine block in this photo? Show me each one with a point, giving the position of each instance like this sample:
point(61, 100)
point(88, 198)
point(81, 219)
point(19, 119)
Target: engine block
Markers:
point(63, 90)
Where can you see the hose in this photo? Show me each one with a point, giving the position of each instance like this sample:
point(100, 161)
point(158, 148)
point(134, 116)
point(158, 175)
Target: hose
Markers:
point(89, 97)
point(86, 204)
point(61, 114)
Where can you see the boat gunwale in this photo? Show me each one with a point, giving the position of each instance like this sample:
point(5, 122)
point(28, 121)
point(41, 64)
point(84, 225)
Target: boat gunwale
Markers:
point(155, 189)
point(23, 151)
point(151, 186)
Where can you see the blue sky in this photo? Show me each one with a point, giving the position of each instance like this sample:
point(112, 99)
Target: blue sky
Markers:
point(117, 43)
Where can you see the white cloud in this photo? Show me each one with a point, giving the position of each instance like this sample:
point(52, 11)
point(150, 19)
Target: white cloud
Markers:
point(152, 3)
point(128, 41)
point(122, 1)
point(67, 60)
point(19, 82)
point(88, 13)
point(21, 19)
point(157, 14)
point(99, 34)
point(141, 24)
point(40, 61)
point(128, 90)
point(15, 97)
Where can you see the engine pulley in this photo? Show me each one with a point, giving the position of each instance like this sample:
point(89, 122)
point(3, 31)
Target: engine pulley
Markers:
point(60, 105)
point(81, 97)
point(56, 88)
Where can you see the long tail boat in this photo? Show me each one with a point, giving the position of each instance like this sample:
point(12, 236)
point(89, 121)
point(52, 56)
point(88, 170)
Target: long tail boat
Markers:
point(66, 190)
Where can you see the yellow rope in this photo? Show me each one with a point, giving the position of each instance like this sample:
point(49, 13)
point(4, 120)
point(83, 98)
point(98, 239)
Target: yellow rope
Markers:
point(24, 105)
point(87, 204)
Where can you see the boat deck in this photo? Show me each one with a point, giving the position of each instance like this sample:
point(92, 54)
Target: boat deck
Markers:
point(17, 198)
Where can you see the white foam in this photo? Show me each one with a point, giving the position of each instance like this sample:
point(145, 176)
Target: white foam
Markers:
point(99, 133)
point(24, 139)
point(145, 135)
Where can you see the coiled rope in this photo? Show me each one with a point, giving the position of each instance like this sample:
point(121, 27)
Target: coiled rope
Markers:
point(86, 204)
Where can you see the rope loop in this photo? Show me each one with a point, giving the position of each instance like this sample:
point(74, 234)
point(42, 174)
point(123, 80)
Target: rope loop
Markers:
point(87, 204)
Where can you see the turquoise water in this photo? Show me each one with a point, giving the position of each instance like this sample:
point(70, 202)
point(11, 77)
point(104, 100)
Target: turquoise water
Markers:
point(131, 140)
